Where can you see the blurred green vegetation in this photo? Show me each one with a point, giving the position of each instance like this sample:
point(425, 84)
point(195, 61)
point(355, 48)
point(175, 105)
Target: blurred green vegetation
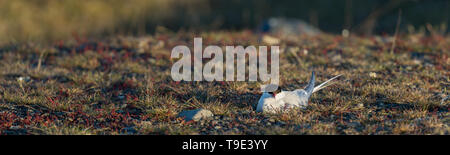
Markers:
point(41, 20)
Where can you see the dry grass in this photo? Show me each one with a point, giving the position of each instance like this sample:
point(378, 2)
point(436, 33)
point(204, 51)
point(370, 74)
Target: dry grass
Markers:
point(117, 86)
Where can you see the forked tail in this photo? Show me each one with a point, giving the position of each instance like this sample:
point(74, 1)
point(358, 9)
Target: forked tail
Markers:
point(321, 86)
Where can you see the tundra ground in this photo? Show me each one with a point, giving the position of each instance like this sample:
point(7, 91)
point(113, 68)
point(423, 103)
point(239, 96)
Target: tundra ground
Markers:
point(122, 85)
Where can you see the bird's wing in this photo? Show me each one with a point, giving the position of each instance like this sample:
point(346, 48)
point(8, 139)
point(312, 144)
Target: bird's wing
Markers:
point(292, 98)
point(281, 95)
point(265, 99)
point(321, 86)
point(310, 88)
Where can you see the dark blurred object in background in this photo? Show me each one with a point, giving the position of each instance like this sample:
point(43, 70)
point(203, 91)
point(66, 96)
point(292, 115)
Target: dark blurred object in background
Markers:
point(54, 19)
point(363, 17)
point(288, 26)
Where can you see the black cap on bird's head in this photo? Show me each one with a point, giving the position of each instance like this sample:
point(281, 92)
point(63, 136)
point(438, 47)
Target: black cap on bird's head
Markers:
point(272, 93)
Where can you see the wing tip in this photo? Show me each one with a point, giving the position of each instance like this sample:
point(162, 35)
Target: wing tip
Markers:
point(309, 89)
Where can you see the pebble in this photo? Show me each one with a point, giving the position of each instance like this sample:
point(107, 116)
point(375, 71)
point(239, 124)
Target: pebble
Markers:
point(333, 116)
point(353, 124)
point(14, 127)
point(270, 40)
point(130, 130)
point(196, 115)
point(24, 79)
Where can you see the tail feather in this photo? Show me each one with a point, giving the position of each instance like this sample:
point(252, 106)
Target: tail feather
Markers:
point(310, 88)
point(321, 86)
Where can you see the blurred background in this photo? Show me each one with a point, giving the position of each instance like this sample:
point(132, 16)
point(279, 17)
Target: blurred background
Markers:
point(50, 20)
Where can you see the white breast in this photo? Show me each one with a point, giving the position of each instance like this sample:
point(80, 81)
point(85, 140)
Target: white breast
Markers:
point(283, 101)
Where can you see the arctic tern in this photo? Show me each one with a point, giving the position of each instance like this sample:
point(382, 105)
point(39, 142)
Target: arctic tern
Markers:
point(286, 100)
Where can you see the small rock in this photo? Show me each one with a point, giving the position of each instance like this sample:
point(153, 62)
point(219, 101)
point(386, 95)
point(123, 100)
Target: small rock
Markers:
point(305, 51)
point(333, 116)
point(417, 62)
point(271, 40)
point(336, 58)
point(121, 96)
point(143, 45)
point(196, 115)
point(14, 127)
point(235, 129)
point(24, 79)
point(272, 120)
point(373, 74)
point(129, 130)
point(409, 68)
point(353, 124)
point(345, 33)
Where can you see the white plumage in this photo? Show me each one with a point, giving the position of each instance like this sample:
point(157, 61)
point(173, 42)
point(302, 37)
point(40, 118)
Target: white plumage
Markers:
point(289, 99)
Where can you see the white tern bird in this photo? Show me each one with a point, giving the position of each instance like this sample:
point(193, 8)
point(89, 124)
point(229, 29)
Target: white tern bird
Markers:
point(289, 99)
